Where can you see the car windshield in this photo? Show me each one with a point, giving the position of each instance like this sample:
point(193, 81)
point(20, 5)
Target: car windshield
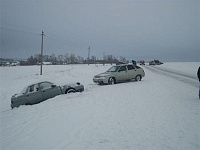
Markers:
point(24, 90)
point(113, 69)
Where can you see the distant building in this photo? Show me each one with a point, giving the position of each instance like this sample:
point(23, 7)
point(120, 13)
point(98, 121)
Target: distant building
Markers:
point(47, 63)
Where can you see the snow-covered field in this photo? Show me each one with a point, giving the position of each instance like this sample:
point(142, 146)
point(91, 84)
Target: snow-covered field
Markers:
point(160, 112)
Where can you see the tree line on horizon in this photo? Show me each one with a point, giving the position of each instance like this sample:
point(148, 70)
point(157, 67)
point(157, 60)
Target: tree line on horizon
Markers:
point(71, 59)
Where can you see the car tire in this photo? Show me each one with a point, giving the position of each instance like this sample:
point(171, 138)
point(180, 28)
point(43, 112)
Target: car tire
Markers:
point(70, 91)
point(138, 78)
point(111, 81)
point(28, 104)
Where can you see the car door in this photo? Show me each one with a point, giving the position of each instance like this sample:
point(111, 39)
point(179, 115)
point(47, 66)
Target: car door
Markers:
point(122, 73)
point(132, 71)
point(49, 90)
point(33, 95)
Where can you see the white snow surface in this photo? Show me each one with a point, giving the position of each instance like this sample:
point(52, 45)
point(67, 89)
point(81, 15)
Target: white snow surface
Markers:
point(161, 112)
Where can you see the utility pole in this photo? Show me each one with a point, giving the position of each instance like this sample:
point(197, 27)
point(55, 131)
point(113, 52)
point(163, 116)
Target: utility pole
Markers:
point(103, 58)
point(88, 55)
point(41, 53)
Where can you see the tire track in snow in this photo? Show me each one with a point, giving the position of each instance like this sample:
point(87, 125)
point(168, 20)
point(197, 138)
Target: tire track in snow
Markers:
point(188, 79)
point(177, 73)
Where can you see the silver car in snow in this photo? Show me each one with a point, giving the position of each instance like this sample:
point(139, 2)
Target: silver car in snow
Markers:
point(41, 91)
point(120, 73)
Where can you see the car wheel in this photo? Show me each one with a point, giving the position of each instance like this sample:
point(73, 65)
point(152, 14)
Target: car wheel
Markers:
point(138, 78)
point(70, 91)
point(27, 104)
point(111, 81)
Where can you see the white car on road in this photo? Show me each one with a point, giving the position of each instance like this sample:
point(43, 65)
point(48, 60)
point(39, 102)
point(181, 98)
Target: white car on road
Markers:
point(120, 73)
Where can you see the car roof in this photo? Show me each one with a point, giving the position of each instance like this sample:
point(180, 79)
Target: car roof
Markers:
point(125, 64)
point(38, 83)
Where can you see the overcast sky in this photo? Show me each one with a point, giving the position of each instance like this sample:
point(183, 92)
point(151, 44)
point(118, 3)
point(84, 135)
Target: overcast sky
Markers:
point(168, 30)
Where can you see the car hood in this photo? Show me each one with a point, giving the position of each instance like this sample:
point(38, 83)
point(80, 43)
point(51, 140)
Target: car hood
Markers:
point(103, 74)
point(16, 95)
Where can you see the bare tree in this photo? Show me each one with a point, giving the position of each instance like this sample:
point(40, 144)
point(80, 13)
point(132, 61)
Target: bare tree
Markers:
point(46, 58)
point(80, 59)
point(60, 59)
point(53, 59)
point(122, 59)
point(72, 59)
point(66, 58)
point(32, 61)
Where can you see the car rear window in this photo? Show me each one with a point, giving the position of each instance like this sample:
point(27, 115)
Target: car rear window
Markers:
point(130, 67)
point(45, 85)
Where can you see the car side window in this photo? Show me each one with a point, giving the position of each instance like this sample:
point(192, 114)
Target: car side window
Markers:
point(45, 85)
point(131, 67)
point(137, 67)
point(33, 88)
point(36, 87)
point(122, 68)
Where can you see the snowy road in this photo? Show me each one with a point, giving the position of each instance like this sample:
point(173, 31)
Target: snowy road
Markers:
point(160, 112)
point(186, 78)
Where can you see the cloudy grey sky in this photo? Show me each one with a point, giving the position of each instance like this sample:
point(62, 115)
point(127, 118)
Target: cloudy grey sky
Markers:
point(168, 30)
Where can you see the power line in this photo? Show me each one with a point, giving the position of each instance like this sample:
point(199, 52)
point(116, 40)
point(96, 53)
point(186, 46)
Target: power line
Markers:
point(64, 42)
point(55, 36)
point(20, 26)
point(48, 34)
point(24, 32)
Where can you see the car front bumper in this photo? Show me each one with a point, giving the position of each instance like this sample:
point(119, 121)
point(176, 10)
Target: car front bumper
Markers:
point(103, 80)
point(81, 88)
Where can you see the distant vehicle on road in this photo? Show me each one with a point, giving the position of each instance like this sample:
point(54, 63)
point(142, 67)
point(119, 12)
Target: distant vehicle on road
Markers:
point(152, 63)
point(120, 73)
point(142, 62)
point(41, 91)
point(155, 62)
